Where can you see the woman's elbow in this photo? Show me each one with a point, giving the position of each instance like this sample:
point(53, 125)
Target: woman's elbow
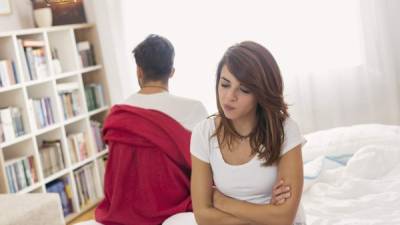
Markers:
point(200, 217)
point(286, 219)
point(279, 221)
point(282, 216)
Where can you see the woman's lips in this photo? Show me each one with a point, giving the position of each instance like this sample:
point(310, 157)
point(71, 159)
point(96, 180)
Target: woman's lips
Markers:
point(228, 108)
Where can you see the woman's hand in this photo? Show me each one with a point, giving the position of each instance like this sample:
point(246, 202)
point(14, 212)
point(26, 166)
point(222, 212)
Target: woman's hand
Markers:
point(280, 193)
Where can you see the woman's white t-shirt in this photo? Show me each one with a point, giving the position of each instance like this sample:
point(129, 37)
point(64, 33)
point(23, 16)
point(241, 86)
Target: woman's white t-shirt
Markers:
point(250, 181)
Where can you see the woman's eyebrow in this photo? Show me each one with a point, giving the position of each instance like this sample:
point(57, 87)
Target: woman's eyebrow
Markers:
point(223, 78)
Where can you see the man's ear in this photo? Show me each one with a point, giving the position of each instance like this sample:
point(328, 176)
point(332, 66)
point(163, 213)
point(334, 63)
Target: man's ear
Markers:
point(140, 75)
point(172, 73)
point(139, 72)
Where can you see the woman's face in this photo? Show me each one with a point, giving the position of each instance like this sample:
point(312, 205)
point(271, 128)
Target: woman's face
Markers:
point(236, 100)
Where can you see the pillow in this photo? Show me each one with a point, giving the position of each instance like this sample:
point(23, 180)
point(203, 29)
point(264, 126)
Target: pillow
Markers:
point(345, 141)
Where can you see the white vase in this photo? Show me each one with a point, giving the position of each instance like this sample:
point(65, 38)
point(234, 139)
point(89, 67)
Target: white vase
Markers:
point(43, 17)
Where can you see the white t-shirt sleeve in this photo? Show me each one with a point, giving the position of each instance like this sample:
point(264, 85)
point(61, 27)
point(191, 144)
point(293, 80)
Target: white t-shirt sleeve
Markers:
point(293, 136)
point(199, 142)
point(196, 115)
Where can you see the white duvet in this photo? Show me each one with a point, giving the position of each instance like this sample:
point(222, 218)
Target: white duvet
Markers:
point(352, 175)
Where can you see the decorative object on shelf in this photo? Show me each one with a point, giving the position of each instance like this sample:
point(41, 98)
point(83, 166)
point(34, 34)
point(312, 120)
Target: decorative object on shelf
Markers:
point(5, 7)
point(42, 13)
point(67, 11)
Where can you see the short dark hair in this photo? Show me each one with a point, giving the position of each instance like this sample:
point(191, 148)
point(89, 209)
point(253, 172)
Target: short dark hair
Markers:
point(155, 56)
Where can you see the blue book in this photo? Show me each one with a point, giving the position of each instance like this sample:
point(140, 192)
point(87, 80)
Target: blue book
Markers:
point(10, 180)
point(64, 198)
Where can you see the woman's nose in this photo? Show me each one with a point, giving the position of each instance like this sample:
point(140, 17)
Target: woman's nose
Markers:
point(231, 95)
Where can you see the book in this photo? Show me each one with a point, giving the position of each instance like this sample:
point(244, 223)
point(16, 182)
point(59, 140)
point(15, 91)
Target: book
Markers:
point(52, 157)
point(8, 74)
point(19, 173)
point(34, 62)
point(86, 54)
point(7, 123)
point(94, 96)
point(32, 43)
point(41, 108)
point(70, 100)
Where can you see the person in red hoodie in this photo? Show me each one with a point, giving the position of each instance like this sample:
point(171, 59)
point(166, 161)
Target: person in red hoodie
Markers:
point(147, 177)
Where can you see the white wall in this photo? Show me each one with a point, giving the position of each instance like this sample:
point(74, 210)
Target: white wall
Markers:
point(393, 20)
point(20, 17)
point(101, 13)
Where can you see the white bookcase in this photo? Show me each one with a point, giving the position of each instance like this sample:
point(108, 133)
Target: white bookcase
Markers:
point(64, 39)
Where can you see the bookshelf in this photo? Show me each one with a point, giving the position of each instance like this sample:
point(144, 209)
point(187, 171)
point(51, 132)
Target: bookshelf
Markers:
point(53, 101)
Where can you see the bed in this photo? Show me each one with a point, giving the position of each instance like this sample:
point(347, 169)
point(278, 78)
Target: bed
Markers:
point(352, 175)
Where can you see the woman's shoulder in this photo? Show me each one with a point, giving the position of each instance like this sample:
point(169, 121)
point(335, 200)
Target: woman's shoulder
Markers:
point(292, 135)
point(290, 125)
point(205, 128)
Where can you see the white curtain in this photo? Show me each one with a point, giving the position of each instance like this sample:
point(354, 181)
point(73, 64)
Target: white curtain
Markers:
point(337, 57)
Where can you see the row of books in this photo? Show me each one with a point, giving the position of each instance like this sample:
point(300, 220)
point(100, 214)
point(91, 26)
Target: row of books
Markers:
point(70, 100)
point(8, 73)
point(11, 124)
point(21, 173)
point(96, 130)
point(94, 96)
point(77, 146)
point(85, 186)
point(42, 110)
point(63, 188)
point(51, 156)
point(86, 54)
point(34, 62)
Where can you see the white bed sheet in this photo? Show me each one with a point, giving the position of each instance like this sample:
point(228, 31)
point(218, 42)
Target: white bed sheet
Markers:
point(352, 176)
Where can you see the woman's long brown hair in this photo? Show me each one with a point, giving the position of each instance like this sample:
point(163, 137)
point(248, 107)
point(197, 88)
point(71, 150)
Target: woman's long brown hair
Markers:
point(255, 67)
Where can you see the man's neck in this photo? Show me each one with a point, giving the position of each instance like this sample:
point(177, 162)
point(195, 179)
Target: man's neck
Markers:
point(153, 88)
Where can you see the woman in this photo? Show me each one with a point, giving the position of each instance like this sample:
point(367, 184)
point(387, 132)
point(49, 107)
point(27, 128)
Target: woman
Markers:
point(248, 146)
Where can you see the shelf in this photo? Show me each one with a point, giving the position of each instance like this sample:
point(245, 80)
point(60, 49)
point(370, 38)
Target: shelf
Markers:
point(75, 73)
point(10, 88)
point(30, 188)
point(100, 154)
point(99, 110)
point(83, 162)
point(91, 69)
point(47, 129)
point(46, 29)
point(40, 100)
point(15, 141)
point(74, 119)
point(56, 175)
point(37, 82)
point(66, 74)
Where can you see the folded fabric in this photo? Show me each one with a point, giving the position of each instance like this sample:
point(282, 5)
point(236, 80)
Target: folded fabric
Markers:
point(147, 176)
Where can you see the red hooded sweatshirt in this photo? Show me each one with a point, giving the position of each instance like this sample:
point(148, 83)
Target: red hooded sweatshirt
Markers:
point(147, 176)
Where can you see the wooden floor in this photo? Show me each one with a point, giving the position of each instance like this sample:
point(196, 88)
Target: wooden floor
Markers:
point(89, 215)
